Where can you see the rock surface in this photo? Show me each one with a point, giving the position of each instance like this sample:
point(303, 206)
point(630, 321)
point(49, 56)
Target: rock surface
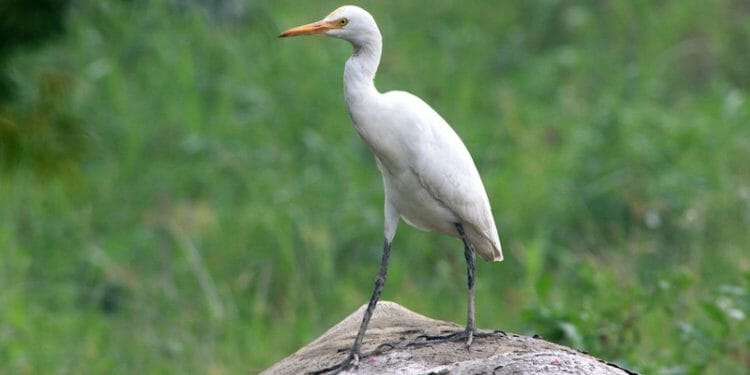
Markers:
point(395, 344)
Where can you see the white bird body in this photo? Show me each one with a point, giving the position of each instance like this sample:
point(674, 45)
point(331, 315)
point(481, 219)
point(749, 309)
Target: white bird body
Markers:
point(429, 177)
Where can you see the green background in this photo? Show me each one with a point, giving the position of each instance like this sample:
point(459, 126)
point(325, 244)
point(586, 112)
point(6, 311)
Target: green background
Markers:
point(182, 191)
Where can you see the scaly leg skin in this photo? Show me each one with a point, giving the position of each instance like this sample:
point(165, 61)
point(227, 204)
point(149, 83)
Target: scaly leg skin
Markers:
point(353, 359)
point(469, 332)
point(469, 255)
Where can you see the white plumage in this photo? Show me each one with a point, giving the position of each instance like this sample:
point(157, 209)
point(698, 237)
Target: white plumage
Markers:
point(430, 179)
point(429, 176)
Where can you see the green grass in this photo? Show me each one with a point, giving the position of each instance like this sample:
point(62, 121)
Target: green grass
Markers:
point(183, 192)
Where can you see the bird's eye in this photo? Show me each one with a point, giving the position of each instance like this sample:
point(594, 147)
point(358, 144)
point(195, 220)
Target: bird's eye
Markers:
point(343, 22)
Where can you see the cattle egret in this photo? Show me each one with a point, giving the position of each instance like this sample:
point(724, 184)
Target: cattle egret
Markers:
point(429, 176)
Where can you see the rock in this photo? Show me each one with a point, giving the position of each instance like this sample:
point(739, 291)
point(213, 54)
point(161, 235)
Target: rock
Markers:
point(395, 344)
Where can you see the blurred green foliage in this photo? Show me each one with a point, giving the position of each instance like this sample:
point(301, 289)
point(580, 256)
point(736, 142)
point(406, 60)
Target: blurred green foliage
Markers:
point(213, 210)
point(26, 23)
point(38, 133)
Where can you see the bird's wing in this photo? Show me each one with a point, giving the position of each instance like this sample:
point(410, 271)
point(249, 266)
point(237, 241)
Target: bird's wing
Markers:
point(446, 170)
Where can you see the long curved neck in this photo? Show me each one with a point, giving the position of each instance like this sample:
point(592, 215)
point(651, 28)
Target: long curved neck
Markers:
point(360, 69)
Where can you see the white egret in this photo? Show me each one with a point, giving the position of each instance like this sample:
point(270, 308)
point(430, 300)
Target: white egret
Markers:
point(429, 176)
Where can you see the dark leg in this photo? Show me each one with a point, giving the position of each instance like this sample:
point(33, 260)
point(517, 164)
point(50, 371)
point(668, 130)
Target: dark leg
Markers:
point(353, 358)
point(468, 333)
point(379, 282)
point(469, 255)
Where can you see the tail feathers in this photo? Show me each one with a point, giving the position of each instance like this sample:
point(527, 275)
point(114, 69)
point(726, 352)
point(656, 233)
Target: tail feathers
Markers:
point(487, 246)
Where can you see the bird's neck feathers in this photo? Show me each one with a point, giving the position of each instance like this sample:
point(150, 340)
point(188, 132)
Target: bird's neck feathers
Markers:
point(360, 69)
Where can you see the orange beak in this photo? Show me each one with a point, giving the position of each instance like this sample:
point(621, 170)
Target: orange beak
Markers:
point(319, 27)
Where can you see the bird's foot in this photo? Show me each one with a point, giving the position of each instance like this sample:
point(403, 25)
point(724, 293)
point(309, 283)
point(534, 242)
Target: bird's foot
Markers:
point(466, 335)
point(351, 362)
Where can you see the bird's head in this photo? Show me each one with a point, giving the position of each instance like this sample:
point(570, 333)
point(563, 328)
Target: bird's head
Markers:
point(348, 22)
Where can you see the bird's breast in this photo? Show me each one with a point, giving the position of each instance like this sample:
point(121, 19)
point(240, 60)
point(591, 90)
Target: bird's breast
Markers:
point(398, 136)
point(414, 203)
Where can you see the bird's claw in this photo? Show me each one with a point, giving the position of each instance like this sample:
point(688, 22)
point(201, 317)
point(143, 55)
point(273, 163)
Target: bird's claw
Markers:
point(469, 337)
point(351, 362)
point(467, 334)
